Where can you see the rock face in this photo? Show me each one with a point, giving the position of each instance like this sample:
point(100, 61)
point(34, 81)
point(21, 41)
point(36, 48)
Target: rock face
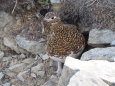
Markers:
point(31, 46)
point(100, 37)
point(87, 73)
point(99, 54)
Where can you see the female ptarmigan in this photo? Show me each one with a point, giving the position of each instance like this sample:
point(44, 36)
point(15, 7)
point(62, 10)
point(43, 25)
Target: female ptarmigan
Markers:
point(62, 39)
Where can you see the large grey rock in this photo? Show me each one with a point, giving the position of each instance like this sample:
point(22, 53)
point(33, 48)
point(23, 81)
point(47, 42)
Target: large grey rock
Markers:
point(31, 46)
point(87, 73)
point(99, 54)
point(11, 43)
point(100, 37)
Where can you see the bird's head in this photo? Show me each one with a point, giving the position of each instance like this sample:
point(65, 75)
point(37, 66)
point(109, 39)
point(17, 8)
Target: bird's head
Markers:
point(52, 17)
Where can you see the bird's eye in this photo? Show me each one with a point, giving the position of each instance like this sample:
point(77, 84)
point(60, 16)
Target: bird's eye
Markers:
point(52, 17)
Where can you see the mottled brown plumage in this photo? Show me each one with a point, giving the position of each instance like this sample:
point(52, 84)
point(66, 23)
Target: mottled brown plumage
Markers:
point(62, 39)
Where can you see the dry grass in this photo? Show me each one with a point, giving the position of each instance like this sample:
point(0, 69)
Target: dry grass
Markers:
point(89, 13)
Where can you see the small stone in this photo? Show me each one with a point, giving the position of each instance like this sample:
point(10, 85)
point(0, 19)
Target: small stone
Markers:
point(6, 84)
point(33, 75)
point(28, 61)
point(17, 68)
point(1, 54)
point(54, 78)
point(22, 56)
point(1, 75)
point(6, 59)
point(49, 83)
point(37, 68)
point(41, 73)
point(21, 75)
point(45, 57)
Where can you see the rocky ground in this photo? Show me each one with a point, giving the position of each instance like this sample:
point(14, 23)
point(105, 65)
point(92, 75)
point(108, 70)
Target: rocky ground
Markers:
point(21, 64)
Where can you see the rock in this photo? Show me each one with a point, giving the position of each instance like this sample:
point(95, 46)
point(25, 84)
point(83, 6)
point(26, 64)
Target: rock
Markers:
point(1, 76)
point(100, 37)
point(87, 73)
point(22, 56)
point(21, 76)
point(33, 75)
point(45, 56)
point(1, 54)
point(17, 68)
point(37, 68)
point(99, 54)
point(113, 43)
point(28, 61)
point(55, 1)
point(53, 81)
point(41, 74)
point(31, 46)
point(5, 59)
point(5, 19)
point(6, 84)
point(11, 43)
point(49, 83)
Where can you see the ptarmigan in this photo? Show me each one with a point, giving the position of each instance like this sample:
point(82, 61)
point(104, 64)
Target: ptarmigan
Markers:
point(62, 39)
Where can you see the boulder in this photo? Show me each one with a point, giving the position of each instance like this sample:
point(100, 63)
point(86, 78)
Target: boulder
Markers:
point(87, 73)
point(101, 37)
point(99, 54)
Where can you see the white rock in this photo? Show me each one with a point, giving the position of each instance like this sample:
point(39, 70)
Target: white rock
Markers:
point(6, 84)
point(100, 37)
point(1, 75)
point(37, 68)
point(1, 54)
point(113, 43)
point(99, 54)
point(11, 43)
point(21, 76)
point(55, 1)
point(45, 56)
point(87, 73)
point(17, 68)
point(33, 75)
point(22, 56)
